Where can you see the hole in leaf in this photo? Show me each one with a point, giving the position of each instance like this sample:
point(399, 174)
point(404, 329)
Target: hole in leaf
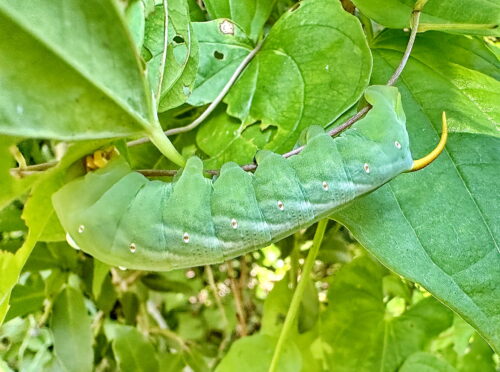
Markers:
point(178, 39)
point(218, 55)
point(260, 133)
point(295, 7)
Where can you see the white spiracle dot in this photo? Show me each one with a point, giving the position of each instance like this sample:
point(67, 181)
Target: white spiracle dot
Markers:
point(234, 224)
point(325, 186)
point(81, 229)
point(122, 268)
point(397, 144)
point(281, 206)
point(71, 242)
point(132, 247)
point(366, 167)
point(185, 237)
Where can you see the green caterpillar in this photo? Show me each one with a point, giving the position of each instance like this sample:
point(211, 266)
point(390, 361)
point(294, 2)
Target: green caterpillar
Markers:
point(125, 219)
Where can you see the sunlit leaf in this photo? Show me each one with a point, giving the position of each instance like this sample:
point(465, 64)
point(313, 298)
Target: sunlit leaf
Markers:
point(442, 221)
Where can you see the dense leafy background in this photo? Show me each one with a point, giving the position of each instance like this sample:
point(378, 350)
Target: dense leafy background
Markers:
point(437, 228)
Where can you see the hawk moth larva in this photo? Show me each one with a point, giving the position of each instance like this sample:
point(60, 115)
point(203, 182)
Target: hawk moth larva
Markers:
point(125, 219)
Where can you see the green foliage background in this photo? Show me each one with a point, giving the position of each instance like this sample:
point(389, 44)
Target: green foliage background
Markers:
point(408, 277)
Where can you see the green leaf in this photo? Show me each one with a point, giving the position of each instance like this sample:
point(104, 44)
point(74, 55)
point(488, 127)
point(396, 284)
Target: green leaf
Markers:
point(100, 272)
point(254, 353)
point(107, 296)
point(313, 65)
point(463, 16)
point(38, 211)
point(70, 70)
point(425, 362)
point(171, 362)
point(221, 138)
point(52, 256)
point(478, 357)
point(130, 307)
point(277, 305)
point(182, 57)
point(10, 269)
point(361, 333)
point(312, 349)
point(442, 220)
point(134, 15)
point(175, 73)
point(132, 350)
point(309, 308)
point(12, 186)
point(10, 219)
point(449, 73)
point(26, 298)
point(71, 329)
point(250, 15)
point(220, 55)
point(160, 282)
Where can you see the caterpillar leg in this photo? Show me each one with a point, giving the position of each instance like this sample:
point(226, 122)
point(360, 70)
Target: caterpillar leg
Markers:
point(429, 158)
point(100, 158)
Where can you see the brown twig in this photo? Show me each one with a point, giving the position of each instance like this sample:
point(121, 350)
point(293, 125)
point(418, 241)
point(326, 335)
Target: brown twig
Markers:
point(235, 288)
point(213, 287)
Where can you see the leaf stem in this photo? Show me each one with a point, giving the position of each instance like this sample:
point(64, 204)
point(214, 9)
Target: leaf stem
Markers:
point(419, 5)
point(166, 147)
point(297, 295)
point(455, 26)
point(414, 30)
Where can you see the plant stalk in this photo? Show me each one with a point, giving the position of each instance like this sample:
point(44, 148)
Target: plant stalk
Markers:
point(297, 295)
point(161, 141)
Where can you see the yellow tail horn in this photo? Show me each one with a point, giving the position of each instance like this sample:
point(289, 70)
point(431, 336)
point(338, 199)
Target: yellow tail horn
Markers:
point(429, 158)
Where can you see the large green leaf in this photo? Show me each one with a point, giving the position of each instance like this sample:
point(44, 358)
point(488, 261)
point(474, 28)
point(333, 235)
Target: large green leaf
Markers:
point(71, 329)
point(439, 227)
point(481, 17)
point(314, 64)
point(449, 73)
point(250, 15)
point(361, 333)
point(70, 70)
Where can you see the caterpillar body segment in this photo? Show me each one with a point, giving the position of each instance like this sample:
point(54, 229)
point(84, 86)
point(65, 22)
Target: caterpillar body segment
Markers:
point(124, 219)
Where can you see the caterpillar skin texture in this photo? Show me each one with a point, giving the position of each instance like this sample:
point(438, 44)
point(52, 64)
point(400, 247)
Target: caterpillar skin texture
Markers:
point(125, 219)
